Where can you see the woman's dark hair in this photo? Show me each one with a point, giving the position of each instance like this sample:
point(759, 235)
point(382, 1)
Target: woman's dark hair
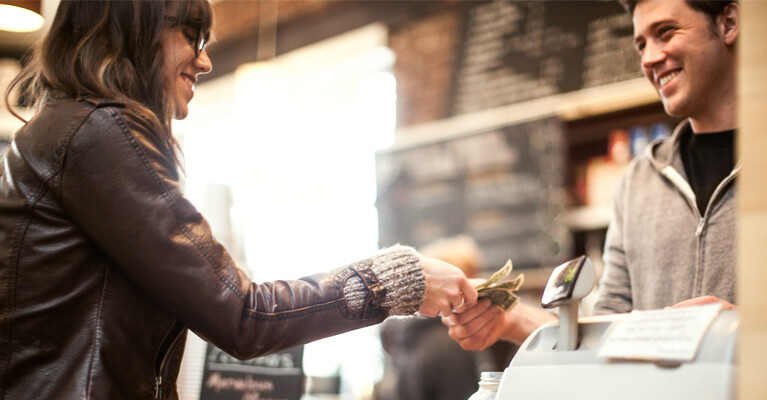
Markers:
point(111, 50)
point(712, 8)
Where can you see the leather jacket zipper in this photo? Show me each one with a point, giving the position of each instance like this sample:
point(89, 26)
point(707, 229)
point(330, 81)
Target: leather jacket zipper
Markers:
point(174, 337)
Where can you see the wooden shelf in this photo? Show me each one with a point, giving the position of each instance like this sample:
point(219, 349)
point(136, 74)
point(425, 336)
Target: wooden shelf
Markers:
point(567, 106)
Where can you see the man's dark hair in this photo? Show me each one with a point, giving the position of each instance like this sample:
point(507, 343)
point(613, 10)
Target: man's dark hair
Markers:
point(712, 8)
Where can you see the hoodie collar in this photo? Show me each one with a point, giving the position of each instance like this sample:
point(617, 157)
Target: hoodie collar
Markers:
point(665, 152)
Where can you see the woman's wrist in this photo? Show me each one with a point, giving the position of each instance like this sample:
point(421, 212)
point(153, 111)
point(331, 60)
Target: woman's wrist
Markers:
point(399, 271)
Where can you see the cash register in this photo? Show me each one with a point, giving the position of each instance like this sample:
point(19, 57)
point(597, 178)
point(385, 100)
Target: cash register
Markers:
point(684, 353)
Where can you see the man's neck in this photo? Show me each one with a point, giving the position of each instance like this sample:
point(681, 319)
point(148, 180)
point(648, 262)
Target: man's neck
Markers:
point(717, 121)
point(709, 128)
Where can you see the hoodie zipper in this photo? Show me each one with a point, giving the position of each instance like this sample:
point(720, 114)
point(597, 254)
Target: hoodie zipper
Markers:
point(717, 192)
point(176, 334)
point(697, 289)
point(686, 190)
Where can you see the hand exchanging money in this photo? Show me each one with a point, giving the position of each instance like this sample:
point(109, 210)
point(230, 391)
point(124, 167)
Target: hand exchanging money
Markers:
point(502, 294)
point(448, 291)
point(499, 314)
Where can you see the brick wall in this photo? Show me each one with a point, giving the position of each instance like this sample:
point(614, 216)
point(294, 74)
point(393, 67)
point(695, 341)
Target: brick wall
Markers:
point(424, 36)
point(426, 52)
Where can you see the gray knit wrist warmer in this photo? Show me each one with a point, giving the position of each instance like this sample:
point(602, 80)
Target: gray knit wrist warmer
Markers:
point(399, 270)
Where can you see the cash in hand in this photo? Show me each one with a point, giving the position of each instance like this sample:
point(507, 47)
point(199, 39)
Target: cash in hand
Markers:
point(502, 293)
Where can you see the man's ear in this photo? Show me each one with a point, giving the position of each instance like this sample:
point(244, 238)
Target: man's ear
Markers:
point(729, 23)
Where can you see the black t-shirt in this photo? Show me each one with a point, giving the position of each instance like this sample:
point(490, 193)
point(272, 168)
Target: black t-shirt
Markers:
point(708, 158)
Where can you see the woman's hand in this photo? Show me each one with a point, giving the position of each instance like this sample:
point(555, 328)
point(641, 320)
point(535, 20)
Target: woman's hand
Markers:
point(448, 290)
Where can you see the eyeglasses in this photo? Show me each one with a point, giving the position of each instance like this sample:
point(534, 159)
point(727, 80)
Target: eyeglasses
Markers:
point(199, 39)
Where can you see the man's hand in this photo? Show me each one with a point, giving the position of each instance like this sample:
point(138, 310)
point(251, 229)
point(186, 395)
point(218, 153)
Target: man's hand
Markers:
point(703, 300)
point(478, 327)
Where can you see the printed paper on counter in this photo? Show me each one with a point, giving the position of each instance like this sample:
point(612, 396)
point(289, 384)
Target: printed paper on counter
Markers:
point(671, 334)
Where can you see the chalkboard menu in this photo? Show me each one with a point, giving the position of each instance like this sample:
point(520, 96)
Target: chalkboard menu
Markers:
point(503, 187)
point(276, 376)
point(514, 51)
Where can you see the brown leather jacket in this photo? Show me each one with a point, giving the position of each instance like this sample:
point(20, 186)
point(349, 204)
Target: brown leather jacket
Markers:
point(104, 265)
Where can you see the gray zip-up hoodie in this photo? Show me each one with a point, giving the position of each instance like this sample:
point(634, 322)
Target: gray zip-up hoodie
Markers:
point(660, 249)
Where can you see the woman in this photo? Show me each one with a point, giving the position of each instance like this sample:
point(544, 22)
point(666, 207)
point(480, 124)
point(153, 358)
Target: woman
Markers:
point(104, 264)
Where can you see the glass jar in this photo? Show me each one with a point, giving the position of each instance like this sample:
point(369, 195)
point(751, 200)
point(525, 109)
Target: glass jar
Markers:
point(488, 385)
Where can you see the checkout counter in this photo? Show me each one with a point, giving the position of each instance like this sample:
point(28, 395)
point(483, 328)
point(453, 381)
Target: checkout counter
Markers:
point(685, 353)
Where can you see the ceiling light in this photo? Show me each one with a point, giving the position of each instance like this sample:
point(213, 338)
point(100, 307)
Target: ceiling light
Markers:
point(20, 16)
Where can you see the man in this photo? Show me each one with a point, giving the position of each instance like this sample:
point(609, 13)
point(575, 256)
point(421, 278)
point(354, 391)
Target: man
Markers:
point(671, 241)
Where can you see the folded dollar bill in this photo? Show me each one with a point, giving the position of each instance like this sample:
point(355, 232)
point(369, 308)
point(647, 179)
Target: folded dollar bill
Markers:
point(502, 293)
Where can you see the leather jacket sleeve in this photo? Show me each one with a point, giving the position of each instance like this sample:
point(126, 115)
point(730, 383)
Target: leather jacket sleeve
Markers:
point(123, 192)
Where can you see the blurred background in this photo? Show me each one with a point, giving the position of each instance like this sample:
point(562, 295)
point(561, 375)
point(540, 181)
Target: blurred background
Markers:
point(330, 129)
